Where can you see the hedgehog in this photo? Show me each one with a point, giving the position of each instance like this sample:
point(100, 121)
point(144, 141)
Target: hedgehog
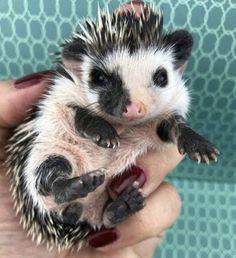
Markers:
point(117, 92)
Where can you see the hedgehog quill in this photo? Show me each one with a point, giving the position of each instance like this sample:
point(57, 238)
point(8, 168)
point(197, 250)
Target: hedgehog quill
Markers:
point(117, 93)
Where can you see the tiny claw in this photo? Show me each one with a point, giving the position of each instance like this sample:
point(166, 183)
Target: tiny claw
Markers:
point(216, 151)
point(85, 135)
point(140, 190)
point(197, 157)
point(136, 184)
point(80, 181)
point(181, 151)
point(206, 159)
point(214, 157)
point(97, 138)
point(103, 170)
point(108, 143)
point(118, 142)
point(113, 144)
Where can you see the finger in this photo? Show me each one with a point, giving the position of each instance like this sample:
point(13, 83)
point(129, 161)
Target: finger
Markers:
point(161, 211)
point(146, 248)
point(157, 165)
point(94, 253)
point(16, 97)
point(135, 5)
point(149, 172)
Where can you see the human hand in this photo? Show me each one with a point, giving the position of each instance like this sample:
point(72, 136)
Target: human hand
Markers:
point(138, 236)
point(139, 233)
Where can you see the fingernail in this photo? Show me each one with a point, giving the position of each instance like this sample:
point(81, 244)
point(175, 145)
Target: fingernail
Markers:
point(119, 183)
point(30, 80)
point(103, 237)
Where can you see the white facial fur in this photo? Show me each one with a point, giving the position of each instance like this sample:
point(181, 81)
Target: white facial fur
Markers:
point(136, 71)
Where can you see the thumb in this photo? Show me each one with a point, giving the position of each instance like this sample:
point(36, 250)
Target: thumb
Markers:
point(16, 97)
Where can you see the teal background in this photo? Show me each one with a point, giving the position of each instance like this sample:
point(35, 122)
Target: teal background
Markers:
point(31, 29)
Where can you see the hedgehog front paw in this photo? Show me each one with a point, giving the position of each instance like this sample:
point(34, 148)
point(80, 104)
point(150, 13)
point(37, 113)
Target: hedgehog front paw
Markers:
point(66, 190)
point(197, 148)
point(96, 128)
point(104, 135)
point(128, 203)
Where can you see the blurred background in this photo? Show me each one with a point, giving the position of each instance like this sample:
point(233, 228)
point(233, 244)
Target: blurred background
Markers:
point(32, 29)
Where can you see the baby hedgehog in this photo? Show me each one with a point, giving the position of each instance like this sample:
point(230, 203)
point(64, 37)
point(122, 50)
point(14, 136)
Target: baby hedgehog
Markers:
point(117, 93)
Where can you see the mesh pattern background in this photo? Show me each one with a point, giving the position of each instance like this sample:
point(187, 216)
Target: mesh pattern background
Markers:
point(31, 29)
point(207, 226)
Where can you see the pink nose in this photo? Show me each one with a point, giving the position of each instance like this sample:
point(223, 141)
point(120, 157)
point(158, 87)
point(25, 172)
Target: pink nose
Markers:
point(134, 110)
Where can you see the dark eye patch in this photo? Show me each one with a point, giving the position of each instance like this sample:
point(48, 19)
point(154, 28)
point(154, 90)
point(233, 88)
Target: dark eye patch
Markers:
point(98, 77)
point(160, 77)
point(109, 86)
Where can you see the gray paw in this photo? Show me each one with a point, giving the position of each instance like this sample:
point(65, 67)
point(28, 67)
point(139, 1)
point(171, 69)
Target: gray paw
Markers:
point(92, 180)
point(71, 214)
point(93, 127)
point(197, 148)
point(128, 203)
point(106, 138)
point(66, 190)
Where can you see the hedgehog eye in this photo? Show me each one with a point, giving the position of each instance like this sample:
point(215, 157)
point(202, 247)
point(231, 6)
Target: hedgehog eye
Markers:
point(99, 78)
point(160, 77)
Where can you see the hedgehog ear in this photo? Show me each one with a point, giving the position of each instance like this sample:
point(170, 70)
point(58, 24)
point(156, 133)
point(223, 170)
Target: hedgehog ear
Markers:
point(181, 41)
point(72, 53)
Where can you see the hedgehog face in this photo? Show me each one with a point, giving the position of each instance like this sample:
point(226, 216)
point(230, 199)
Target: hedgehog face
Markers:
point(136, 86)
point(129, 68)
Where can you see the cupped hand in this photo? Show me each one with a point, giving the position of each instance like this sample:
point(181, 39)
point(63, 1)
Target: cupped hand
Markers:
point(138, 236)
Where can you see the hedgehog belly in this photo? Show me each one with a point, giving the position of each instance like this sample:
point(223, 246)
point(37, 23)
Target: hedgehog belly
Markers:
point(44, 223)
point(134, 142)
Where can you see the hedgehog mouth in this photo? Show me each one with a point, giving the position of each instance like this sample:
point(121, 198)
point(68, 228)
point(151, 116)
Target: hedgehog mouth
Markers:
point(119, 119)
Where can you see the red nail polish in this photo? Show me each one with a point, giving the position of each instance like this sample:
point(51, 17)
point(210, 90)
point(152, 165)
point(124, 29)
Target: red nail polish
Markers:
point(119, 183)
point(102, 237)
point(32, 79)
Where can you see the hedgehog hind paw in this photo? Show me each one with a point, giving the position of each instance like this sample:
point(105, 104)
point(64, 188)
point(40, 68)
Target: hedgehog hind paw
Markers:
point(128, 203)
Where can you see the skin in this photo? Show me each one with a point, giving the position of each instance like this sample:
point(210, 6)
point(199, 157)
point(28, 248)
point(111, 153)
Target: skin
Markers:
point(140, 234)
